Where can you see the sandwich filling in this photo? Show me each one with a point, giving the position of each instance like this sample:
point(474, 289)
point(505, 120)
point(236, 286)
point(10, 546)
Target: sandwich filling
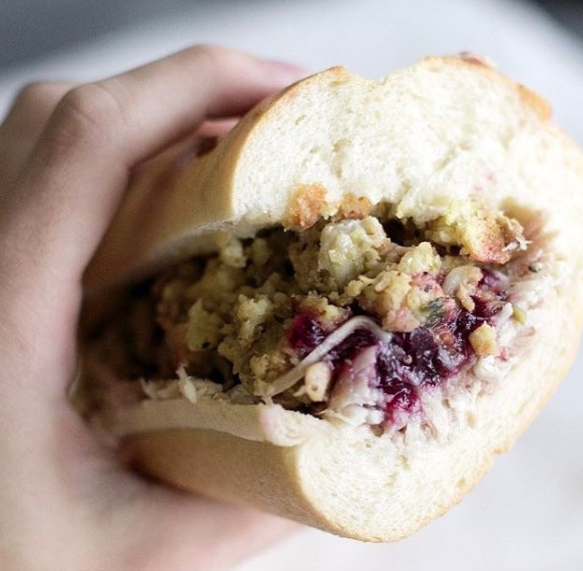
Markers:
point(358, 318)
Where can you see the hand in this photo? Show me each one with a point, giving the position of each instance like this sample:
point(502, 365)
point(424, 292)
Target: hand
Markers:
point(66, 153)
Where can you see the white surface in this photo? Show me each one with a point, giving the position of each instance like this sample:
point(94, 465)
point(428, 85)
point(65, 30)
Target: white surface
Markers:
point(528, 512)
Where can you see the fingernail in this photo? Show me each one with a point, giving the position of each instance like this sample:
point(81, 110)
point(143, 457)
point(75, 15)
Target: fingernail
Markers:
point(288, 72)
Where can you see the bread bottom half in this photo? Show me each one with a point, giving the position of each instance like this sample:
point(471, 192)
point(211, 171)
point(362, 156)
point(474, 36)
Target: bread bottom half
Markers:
point(351, 482)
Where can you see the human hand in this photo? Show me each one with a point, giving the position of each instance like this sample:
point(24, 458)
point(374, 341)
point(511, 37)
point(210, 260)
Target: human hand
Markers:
point(66, 153)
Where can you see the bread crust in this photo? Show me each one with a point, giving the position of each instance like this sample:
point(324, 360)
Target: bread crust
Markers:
point(340, 479)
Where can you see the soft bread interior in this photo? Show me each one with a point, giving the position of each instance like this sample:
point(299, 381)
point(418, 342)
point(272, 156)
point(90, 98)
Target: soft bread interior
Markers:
point(447, 128)
point(444, 129)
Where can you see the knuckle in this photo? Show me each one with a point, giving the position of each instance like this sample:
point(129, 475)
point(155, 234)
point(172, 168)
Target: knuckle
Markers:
point(32, 90)
point(212, 55)
point(31, 109)
point(33, 94)
point(88, 112)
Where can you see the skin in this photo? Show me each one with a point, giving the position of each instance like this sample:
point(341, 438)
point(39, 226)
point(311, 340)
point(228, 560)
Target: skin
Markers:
point(66, 153)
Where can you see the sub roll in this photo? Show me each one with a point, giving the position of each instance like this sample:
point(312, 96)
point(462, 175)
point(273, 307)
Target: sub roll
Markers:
point(345, 308)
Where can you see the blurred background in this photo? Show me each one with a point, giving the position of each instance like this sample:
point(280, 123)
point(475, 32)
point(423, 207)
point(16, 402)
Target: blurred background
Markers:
point(528, 512)
point(536, 41)
point(34, 28)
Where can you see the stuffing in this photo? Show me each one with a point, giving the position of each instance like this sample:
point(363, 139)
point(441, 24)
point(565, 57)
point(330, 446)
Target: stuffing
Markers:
point(483, 235)
point(316, 315)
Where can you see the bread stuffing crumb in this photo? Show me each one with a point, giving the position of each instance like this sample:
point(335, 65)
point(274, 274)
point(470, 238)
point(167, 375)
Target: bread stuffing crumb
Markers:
point(483, 340)
point(251, 313)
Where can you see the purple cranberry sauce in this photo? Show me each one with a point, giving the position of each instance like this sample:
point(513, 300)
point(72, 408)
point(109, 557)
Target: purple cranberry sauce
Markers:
point(348, 349)
point(493, 280)
point(409, 362)
point(305, 334)
point(404, 403)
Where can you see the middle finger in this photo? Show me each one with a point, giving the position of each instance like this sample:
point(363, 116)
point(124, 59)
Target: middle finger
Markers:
point(24, 123)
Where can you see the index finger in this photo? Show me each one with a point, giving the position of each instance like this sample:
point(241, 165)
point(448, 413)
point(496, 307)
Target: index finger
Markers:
point(100, 131)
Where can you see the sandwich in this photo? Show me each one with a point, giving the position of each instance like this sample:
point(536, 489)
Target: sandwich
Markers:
point(344, 309)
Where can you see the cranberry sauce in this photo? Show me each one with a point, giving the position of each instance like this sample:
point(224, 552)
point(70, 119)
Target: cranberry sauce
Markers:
point(348, 349)
point(409, 362)
point(305, 334)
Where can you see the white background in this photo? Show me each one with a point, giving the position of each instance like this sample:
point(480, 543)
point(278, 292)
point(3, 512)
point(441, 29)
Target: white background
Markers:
point(528, 512)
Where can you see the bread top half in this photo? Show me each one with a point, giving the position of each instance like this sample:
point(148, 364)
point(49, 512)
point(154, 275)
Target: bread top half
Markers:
point(444, 129)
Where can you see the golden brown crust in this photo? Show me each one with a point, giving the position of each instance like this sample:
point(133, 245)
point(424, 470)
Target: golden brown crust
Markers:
point(530, 98)
point(354, 207)
point(306, 206)
point(253, 473)
point(309, 203)
point(537, 103)
point(227, 467)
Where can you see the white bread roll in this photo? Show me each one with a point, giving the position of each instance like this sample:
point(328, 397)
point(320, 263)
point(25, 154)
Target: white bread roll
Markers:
point(445, 129)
